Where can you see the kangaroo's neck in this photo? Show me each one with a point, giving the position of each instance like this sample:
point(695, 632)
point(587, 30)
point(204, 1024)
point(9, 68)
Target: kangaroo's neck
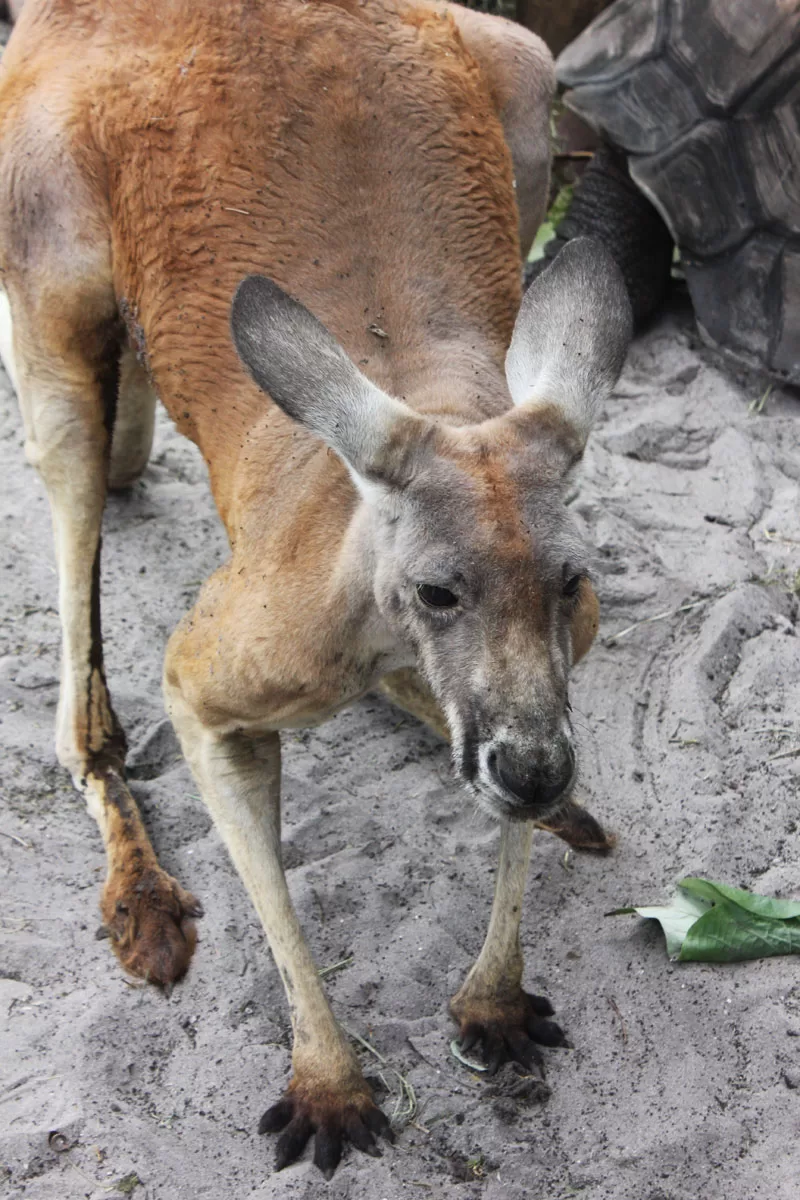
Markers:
point(459, 381)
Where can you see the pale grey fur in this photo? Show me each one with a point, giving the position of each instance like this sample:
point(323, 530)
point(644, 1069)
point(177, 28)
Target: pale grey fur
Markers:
point(572, 334)
point(293, 357)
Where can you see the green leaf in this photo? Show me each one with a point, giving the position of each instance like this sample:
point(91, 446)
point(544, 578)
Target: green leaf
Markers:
point(545, 233)
point(676, 918)
point(728, 933)
point(128, 1183)
point(762, 906)
point(555, 215)
point(560, 206)
point(713, 922)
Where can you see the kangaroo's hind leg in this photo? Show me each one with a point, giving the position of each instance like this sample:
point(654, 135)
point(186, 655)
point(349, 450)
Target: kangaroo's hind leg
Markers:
point(66, 343)
point(134, 422)
point(134, 409)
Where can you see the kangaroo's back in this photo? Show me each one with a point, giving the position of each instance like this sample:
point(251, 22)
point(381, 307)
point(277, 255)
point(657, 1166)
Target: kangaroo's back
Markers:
point(352, 153)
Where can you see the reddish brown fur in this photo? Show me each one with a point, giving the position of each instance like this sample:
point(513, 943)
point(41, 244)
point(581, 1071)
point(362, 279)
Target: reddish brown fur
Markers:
point(180, 247)
point(173, 187)
point(147, 917)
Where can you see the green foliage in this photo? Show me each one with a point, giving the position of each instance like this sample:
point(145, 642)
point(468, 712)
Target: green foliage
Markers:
point(555, 215)
point(128, 1184)
point(712, 922)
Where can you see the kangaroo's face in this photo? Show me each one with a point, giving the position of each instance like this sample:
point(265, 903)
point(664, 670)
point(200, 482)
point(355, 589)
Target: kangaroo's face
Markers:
point(474, 559)
point(480, 566)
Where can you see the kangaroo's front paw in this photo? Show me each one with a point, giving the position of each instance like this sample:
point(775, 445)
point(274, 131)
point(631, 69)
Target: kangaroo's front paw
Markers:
point(333, 1117)
point(507, 1029)
point(149, 919)
point(579, 829)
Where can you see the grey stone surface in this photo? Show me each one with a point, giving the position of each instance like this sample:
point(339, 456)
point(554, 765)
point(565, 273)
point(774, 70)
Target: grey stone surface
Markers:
point(704, 98)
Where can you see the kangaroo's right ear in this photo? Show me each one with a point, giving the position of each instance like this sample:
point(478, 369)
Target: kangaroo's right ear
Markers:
point(572, 334)
point(293, 357)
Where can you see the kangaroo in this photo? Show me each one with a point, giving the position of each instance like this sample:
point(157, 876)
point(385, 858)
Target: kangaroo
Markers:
point(299, 226)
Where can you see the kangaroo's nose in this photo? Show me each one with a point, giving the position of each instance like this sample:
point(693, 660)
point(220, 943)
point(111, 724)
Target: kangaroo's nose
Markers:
point(537, 782)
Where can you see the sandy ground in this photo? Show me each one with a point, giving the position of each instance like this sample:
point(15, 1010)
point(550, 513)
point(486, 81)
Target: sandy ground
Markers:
point(684, 1081)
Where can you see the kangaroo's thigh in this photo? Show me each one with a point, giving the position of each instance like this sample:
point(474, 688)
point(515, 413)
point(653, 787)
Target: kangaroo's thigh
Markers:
point(520, 72)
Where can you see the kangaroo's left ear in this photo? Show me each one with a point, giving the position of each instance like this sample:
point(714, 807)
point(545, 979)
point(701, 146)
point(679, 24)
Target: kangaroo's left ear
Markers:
point(572, 334)
point(293, 357)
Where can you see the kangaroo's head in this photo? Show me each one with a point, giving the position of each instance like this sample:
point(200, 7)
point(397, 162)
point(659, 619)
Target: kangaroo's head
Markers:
point(475, 560)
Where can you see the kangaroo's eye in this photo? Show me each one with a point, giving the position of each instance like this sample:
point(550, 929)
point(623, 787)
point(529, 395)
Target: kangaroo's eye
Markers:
point(572, 585)
point(436, 597)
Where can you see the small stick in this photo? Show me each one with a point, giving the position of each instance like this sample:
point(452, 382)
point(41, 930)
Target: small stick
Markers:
point(772, 535)
point(407, 1089)
point(243, 211)
point(756, 405)
point(672, 612)
point(620, 1017)
point(324, 972)
point(785, 754)
point(367, 1046)
point(18, 840)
